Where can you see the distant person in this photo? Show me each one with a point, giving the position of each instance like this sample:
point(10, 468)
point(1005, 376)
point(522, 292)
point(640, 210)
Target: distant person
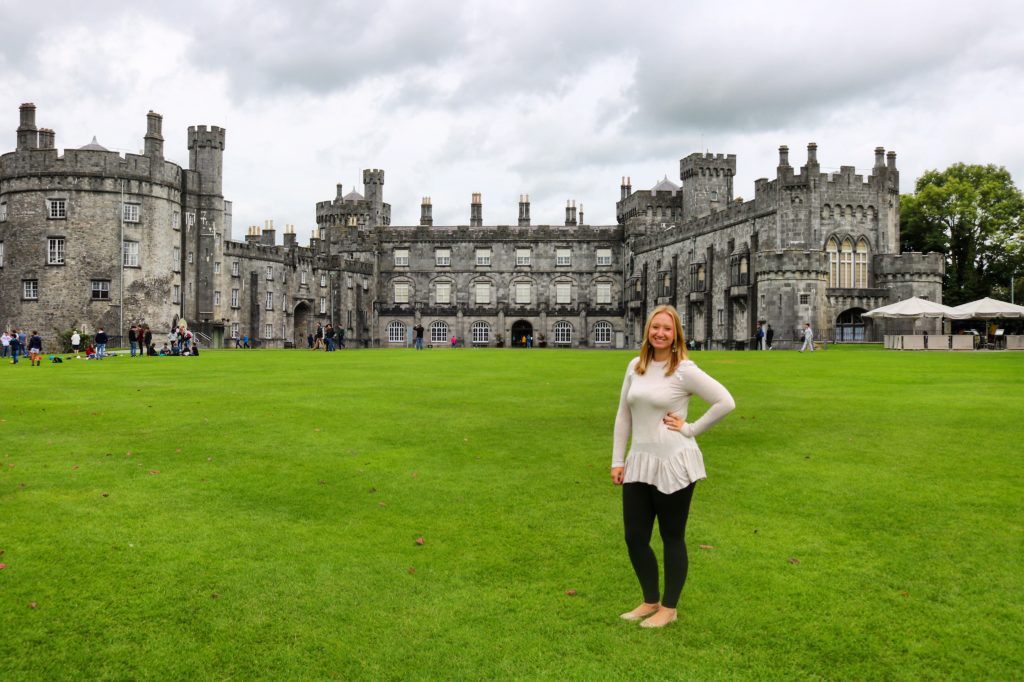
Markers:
point(664, 463)
point(419, 336)
point(15, 346)
point(76, 342)
point(5, 344)
point(309, 341)
point(808, 338)
point(769, 334)
point(455, 341)
point(140, 338)
point(238, 341)
point(132, 341)
point(329, 337)
point(35, 348)
point(245, 341)
point(148, 338)
point(101, 343)
point(318, 337)
point(760, 336)
point(341, 337)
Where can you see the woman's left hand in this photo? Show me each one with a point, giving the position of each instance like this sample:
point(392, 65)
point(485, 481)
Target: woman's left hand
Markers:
point(674, 421)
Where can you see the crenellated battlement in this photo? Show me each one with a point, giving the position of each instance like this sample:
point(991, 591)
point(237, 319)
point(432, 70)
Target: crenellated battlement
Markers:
point(33, 164)
point(498, 233)
point(709, 165)
point(201, 137)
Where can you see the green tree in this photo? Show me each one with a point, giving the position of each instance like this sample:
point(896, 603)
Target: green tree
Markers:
point(972, 215)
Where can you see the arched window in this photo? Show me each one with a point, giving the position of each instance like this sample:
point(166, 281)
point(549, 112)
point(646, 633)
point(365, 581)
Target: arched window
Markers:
point(563, 332)
point(832, 249)
point(602, 332)
point(438, 332)
point(860, 264)
point(481, 332)
point(846, 263)
point(396, 332)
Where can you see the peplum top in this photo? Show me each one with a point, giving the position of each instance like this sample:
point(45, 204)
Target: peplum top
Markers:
point(667, 459)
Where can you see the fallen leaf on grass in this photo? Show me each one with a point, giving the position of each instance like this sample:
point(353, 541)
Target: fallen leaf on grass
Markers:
point(33, 605)
point(74, 467)
point(793, 560)
point(177, 449)
point(706, 546)
point(420, 540)
point(322, 482)
point(381, 504)
point(904, 594)
point(106, 494)
point(316, 430)
point(214, 596)
point(412, 569)
point(373, 490)
point(570, 593)
point(3, 566)
point(154, 471)
point(413, 474)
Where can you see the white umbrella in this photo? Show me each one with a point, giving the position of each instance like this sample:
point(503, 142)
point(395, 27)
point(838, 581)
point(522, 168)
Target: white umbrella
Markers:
point(988, 308)
point(915, 307)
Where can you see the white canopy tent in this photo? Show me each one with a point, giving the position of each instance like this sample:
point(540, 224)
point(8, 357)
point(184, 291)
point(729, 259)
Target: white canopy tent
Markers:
point(915, 307)
point(989, 308)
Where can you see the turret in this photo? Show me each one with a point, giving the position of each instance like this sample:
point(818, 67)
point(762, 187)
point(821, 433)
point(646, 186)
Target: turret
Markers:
point(206, 156)
point(154, 138)
point(476, 211)
point(524, 210)
point(28, 135)
point(373, 192)
point(707, 183)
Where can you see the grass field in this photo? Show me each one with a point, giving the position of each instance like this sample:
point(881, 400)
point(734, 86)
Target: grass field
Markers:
point(252, 514)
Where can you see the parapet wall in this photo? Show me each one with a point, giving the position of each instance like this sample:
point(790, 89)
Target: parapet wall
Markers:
point(88, 163)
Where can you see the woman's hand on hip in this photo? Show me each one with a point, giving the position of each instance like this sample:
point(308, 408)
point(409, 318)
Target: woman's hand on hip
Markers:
point(674, 421)
point(618, 473)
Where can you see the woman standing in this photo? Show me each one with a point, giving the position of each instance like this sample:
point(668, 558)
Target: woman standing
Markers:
point(664, 462)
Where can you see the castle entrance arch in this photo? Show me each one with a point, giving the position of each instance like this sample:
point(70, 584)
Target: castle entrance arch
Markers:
point(303, 324)
point(850, 326)
point(521, 329)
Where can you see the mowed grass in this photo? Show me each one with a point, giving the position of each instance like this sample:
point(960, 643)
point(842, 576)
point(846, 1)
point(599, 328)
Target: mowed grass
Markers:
point(255, 514)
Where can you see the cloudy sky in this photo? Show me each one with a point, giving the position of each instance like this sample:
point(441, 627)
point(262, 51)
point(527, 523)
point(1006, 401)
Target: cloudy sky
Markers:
point(555, 99)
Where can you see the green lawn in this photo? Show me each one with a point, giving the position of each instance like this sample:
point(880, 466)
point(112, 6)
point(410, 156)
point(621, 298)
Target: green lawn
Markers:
point(255, 514)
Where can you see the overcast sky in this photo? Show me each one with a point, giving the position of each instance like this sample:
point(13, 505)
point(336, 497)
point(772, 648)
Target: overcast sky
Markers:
point(555, 99)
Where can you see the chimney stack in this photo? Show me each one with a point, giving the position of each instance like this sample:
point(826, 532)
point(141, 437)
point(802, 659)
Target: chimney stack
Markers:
point(524, 210)
point(476, 211)
point(784, 156)
point(269, 233)
point(154, 138)
point(879, 157)
point(891, 159)
point(570, 213)
point(46, 138)
point(28, 135)
point(289, 236)
point(426, 212)
point(812, 154)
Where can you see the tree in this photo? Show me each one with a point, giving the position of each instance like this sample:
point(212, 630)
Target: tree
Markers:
point(972, 215)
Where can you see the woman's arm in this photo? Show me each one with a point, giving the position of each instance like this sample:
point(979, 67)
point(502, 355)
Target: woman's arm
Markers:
point(697, 382)
point(623, 423)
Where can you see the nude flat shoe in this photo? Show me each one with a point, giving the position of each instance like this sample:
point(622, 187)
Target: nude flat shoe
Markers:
point(648, 624)
point(634, 615)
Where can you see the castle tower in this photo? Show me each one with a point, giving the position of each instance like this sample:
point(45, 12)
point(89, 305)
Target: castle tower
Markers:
point(373, 192)
point(476, 211)
point(204, 200)
point(524, 210)
point(28, 135)
point(707, 183)
point(206, 157)
point(426, 212)
point(154, 138)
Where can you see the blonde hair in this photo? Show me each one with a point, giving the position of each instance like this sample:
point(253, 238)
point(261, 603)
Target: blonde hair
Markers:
point(678, 344)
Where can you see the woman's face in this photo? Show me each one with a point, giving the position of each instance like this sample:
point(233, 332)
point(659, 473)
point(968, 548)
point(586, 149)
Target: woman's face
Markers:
point(662, 332)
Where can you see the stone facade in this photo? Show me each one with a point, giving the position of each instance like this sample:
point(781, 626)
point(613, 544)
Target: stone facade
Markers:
point(91, 238)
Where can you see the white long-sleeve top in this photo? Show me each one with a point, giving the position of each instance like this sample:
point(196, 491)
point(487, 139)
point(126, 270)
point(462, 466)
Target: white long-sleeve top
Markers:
point(667, 459)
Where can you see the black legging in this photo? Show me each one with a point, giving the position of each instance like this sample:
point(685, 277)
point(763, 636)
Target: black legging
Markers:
point(641, 504)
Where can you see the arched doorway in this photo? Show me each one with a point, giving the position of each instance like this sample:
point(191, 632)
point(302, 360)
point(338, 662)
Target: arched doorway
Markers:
point(850, 326)
point(302, 324)
point(521, 329)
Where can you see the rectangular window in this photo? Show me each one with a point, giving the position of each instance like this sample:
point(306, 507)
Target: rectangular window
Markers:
point(30, 288)
point(270, 272)
point(190, 258)
point(176, 294)
point(443, 257)
point(268, 331)
point(563, 257)
point(216, 298)
point(401, 292)
point(721, 316)
point(443, 293)
point(522, 294)
point(176, 258)
point(100, 289)
point(323, 305)
point(234, 268)
point(216, 268)
point(1, 254)
point(401, 258)
point(323, 280)
point(270, 300)
point(3, 211)
point(805, 299)
point(58, 209)
point(130, 213)
point(234, 298)
point(175, 220)
point(522, 256)
point(302, 277)
point(604, 293)
point(483, 292)
point(55, 251)
point(604, 256)
point(483, 256)
point(131, 254)
point(563, 293)
point(234, 330)
point(190, 219)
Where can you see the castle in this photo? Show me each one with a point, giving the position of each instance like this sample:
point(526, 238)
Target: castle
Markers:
point(90, 238)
